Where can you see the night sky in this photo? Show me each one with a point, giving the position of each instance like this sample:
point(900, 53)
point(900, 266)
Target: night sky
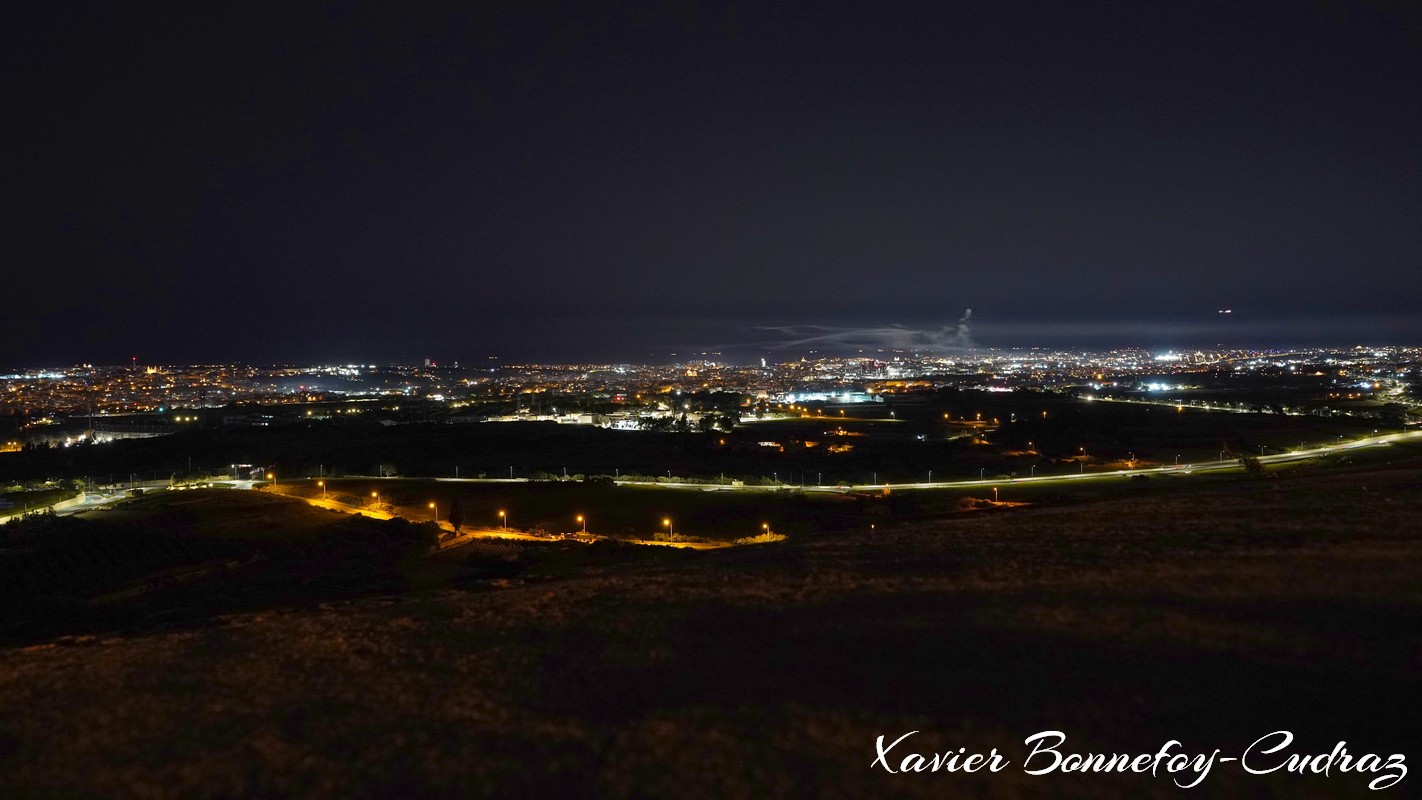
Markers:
point(300, 183)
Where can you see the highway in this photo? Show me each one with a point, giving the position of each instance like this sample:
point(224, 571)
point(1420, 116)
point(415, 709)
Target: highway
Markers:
point(1229, 463)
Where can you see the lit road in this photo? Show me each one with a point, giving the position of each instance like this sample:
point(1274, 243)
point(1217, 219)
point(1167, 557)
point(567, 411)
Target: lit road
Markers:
point(1190, 405)
point(467, 535)
point(1230, 463)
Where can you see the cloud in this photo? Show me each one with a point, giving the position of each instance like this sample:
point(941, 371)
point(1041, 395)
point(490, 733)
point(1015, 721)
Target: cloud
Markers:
point(956, 337)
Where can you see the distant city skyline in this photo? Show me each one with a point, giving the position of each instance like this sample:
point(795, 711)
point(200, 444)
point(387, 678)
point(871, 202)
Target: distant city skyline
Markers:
point(745, 343)
point(1342, 374)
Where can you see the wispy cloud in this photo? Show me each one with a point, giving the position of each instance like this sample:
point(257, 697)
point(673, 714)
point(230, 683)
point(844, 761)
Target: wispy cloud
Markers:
point(949, 338)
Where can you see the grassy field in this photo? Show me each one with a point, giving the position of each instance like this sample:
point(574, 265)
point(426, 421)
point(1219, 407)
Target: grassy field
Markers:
point(183, 557)
point(22, 501)
point(1212, 616)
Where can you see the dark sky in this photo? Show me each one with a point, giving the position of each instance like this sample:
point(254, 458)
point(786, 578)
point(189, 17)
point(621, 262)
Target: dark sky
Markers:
point(550, 181)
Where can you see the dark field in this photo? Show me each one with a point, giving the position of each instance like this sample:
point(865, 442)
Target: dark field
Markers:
point(636, 511)
point(1211, 616)
point(181, 557)
point(887, 450)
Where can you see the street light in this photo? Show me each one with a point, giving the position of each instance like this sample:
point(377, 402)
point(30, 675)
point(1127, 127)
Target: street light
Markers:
point(322, 484)
point(667, 522)
point(584, 522)
point(994, 494)
point(434, 512)
point(765, 526)
point(505, 518)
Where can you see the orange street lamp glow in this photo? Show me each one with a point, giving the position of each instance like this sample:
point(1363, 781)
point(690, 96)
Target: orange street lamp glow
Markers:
point(667, 522)
point(505, 518)
point(584, 522)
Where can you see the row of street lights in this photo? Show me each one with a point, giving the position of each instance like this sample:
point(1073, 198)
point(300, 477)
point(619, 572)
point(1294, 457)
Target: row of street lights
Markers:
point(581, 519)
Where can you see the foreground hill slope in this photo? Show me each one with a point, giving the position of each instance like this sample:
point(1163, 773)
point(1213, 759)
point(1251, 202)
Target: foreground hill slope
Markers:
point(1211, 617)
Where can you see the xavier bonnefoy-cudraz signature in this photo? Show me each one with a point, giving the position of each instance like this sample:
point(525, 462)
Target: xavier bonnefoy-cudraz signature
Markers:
point(1048, 752)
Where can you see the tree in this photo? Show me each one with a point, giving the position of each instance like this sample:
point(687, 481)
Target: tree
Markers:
point(456, 514)
point(1253, 467)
